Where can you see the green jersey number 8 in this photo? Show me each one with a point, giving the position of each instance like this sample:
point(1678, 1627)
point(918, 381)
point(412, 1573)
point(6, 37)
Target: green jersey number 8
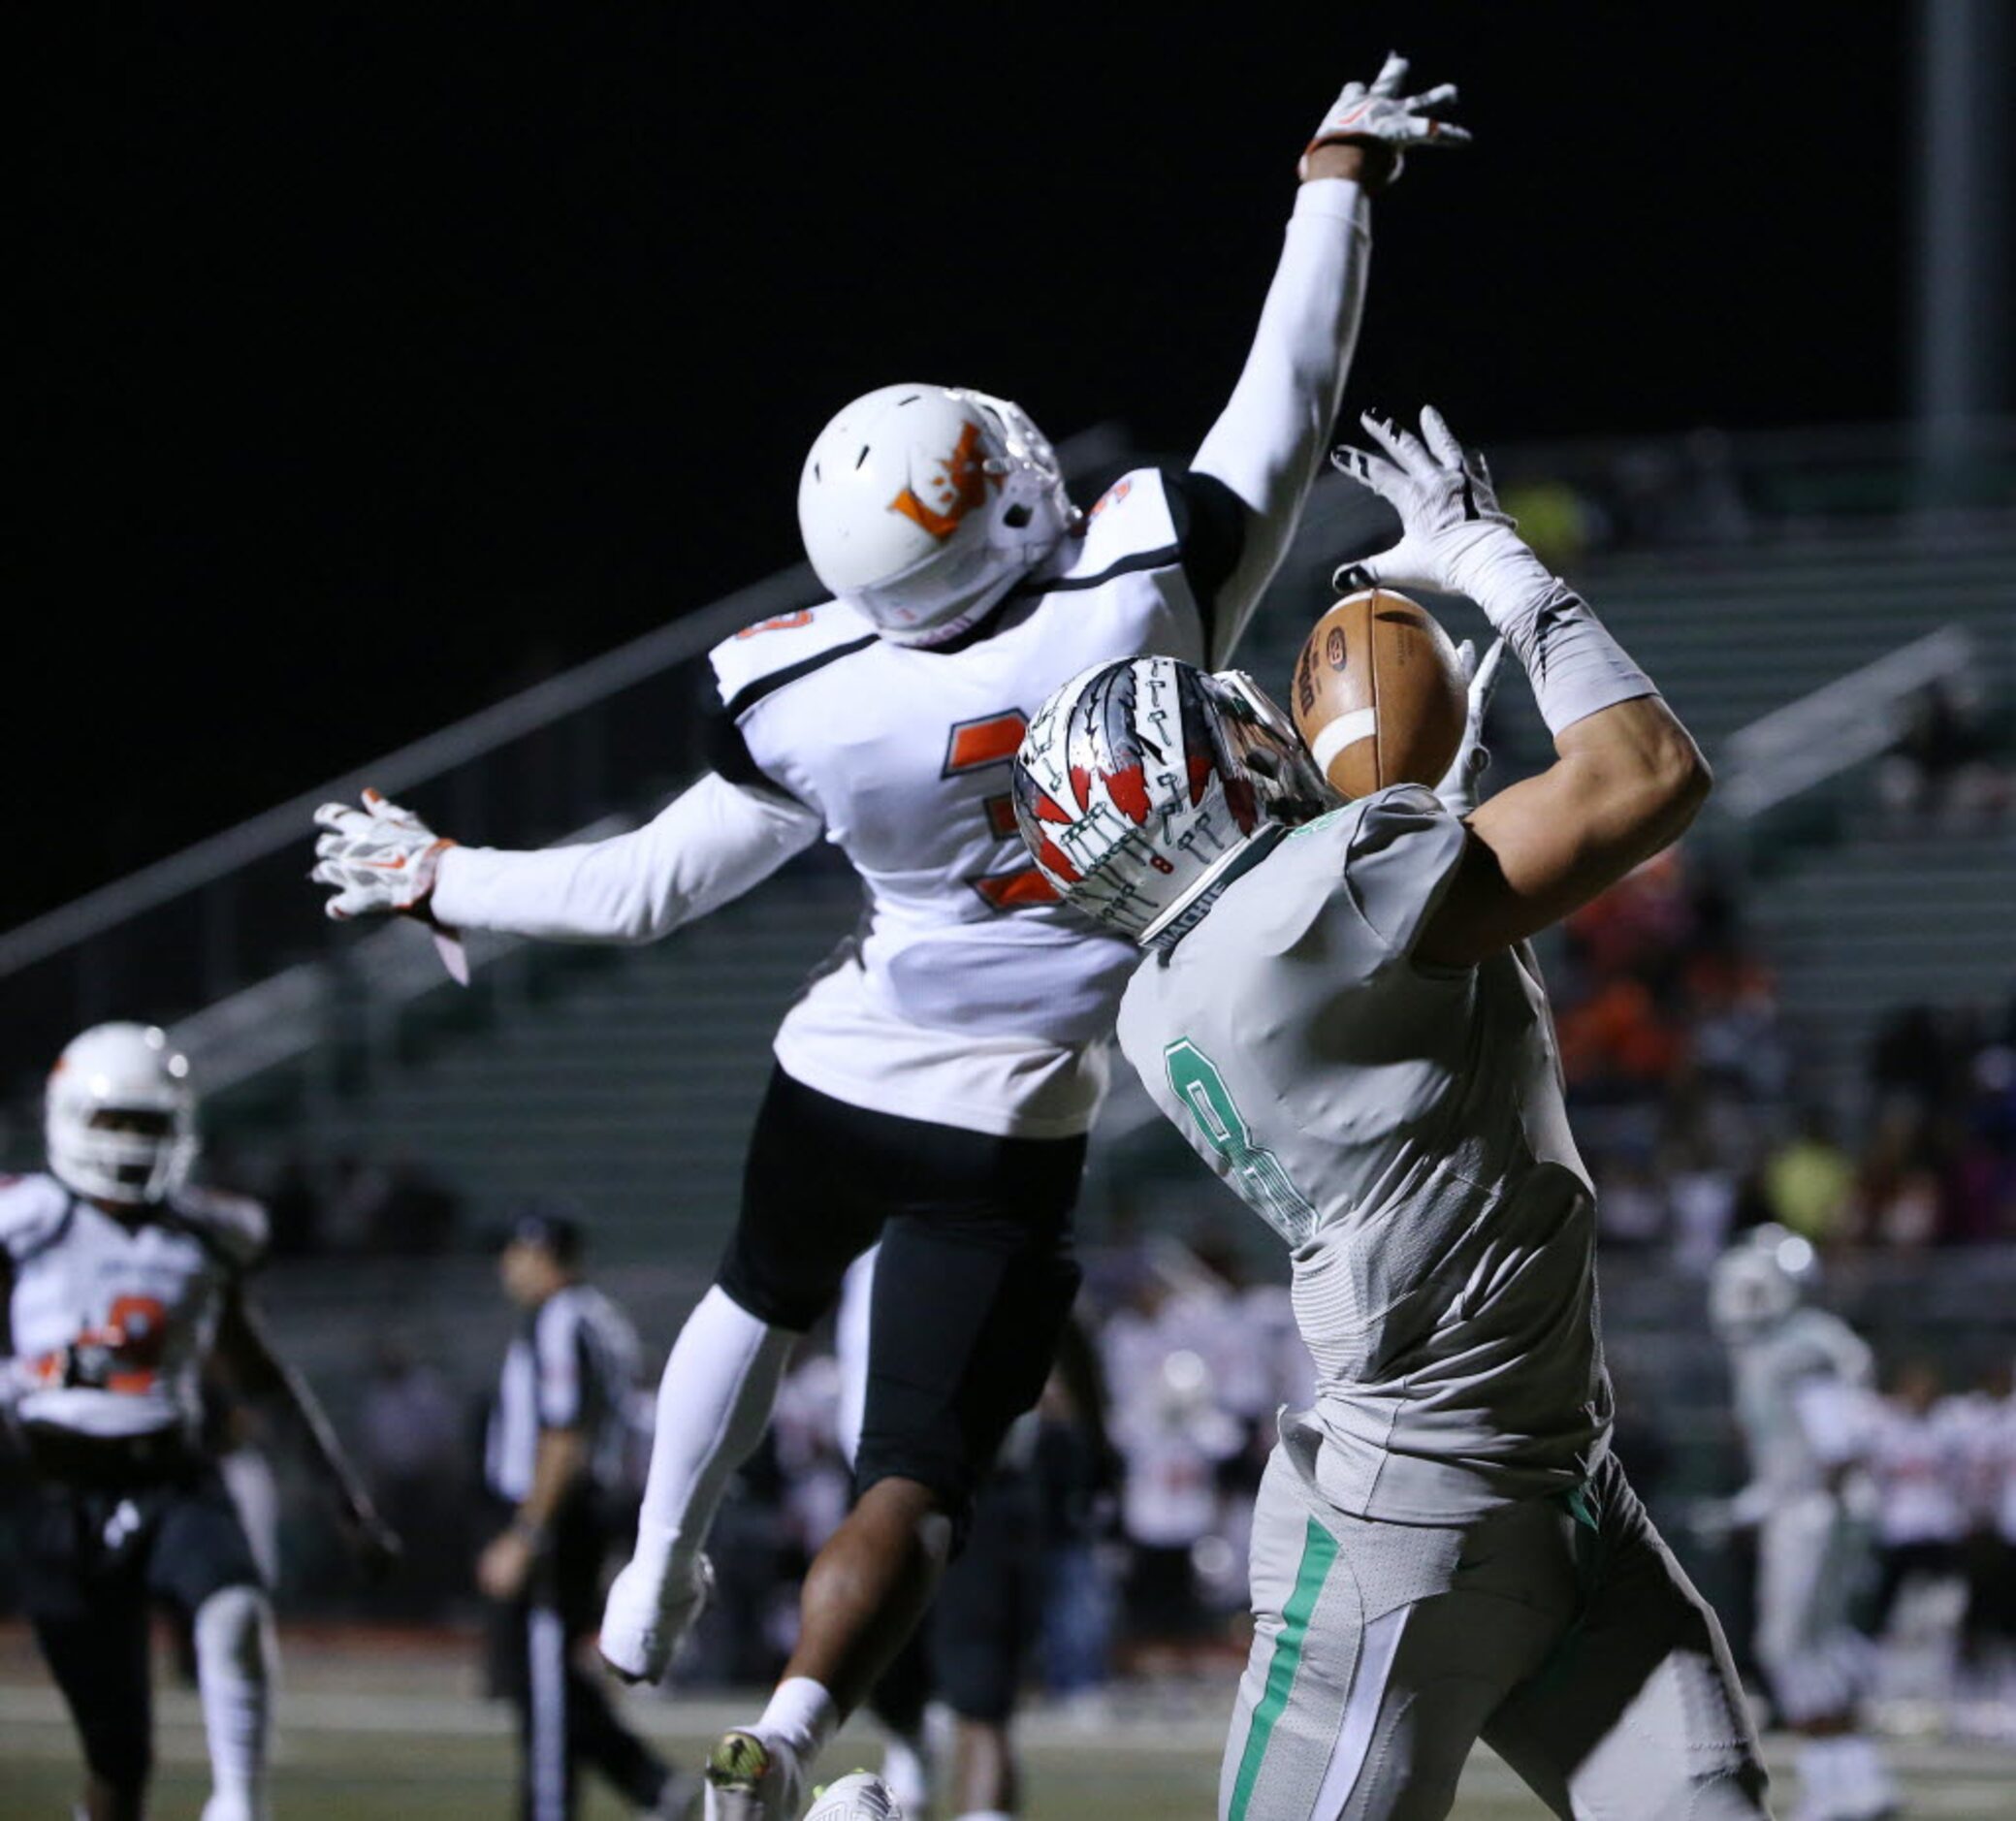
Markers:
point(1254, 1171)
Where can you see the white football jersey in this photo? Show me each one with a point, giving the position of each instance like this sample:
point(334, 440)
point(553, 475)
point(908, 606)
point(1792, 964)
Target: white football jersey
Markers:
point(111, 1323)
point(1992, 1448)
point(972, 997)
point(1920, 1462)
point(1798, 1386)
point(1403, 1131)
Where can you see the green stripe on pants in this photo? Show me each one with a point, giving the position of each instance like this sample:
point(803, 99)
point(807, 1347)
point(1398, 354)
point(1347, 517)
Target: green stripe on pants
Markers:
point(1319, 1552)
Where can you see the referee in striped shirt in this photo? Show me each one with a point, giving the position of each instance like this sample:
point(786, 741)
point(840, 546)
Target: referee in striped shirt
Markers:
point(555, 1462)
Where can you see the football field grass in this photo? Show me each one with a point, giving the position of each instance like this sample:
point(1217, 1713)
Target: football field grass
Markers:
point(388, 1726)
point(400, 1756)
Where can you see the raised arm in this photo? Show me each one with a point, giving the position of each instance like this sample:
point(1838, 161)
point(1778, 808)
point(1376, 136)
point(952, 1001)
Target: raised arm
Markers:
point(1266, 447)
point(708, 846)
point(1627, 777)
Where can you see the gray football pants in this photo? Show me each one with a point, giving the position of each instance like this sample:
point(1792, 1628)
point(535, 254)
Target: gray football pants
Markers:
point(1560, 1632)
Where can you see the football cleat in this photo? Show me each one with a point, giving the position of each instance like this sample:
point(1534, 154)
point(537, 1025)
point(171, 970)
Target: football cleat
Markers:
point(753, 1778)
point(860, 1797)
point(645, 1618)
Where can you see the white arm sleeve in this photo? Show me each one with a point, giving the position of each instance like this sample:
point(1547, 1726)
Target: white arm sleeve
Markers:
point(708, 846)
point(1270, 444)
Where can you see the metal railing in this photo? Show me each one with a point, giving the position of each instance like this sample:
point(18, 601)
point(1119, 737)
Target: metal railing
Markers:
point(231, 924)
point(1841, 724)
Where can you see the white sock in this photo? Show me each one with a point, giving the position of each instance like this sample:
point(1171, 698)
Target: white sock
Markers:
point(1861, 1777)
point(714, 1404)
point(984, 1815)
point(234, 1675)
point(801, 1715)
point(906, 1772)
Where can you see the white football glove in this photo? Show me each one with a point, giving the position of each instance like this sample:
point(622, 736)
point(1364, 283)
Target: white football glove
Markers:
point(1385, 116)
point(1458, 786)
point(381, 858)
point(1455, 536)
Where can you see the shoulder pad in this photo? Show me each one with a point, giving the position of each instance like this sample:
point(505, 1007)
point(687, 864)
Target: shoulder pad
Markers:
point(234, 1225)
point(764, 652)
point(1132, 519)
point(31, 1209)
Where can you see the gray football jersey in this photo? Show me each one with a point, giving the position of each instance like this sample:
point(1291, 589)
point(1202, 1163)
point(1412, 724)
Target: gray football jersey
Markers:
point(1772, 1372)
point(1403, 1128)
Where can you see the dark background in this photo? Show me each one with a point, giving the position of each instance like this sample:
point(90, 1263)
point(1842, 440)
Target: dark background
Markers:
point(374, 362)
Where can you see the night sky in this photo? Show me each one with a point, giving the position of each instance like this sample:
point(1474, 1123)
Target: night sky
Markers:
point(374, 362)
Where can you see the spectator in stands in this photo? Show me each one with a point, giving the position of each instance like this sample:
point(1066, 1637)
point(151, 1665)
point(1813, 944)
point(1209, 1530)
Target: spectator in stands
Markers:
point(1912, 1058)
point(1982, 1178)
point(1918, 1458)
point(411, 1436)
point(1632, 1209)
point(1076, 1471)
point(1938, 778)
point(1809, 1181)
point(1989, 1630)
point(416, 1213)
point(1175, 1440)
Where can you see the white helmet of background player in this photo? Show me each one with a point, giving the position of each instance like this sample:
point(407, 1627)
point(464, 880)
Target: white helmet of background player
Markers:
point(1144, 786)
point(923, 505)
point(120, 1116)
point(1760, 1280)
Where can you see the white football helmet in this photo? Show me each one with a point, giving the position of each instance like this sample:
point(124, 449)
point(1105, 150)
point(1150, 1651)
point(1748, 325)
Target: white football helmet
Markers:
point(923, 505)
point(119, 1119)
point(1144, 788)
point(1760, 1280)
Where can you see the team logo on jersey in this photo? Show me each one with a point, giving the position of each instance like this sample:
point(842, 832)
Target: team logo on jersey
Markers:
point(940, 500)
point(1112, 497)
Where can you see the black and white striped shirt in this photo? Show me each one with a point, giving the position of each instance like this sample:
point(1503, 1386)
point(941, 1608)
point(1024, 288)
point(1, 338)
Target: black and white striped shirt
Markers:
point(573, 1365)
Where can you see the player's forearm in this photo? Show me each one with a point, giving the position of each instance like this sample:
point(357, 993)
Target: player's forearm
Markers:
point(714, 842)
point(1269, 441)
point(258, 1368)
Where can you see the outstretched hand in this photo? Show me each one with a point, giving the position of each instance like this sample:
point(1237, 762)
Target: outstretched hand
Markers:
point(1383, 124)
point(381, 858)
point(1452, 525)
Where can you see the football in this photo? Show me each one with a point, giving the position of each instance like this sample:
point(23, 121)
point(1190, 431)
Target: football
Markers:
point(1379, 695)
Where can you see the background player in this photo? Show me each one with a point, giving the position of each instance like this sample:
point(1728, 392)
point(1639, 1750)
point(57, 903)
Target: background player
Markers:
point(941, 1076)
point(1804, 1383)
point(124, 1283)
point(1347, 1025)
